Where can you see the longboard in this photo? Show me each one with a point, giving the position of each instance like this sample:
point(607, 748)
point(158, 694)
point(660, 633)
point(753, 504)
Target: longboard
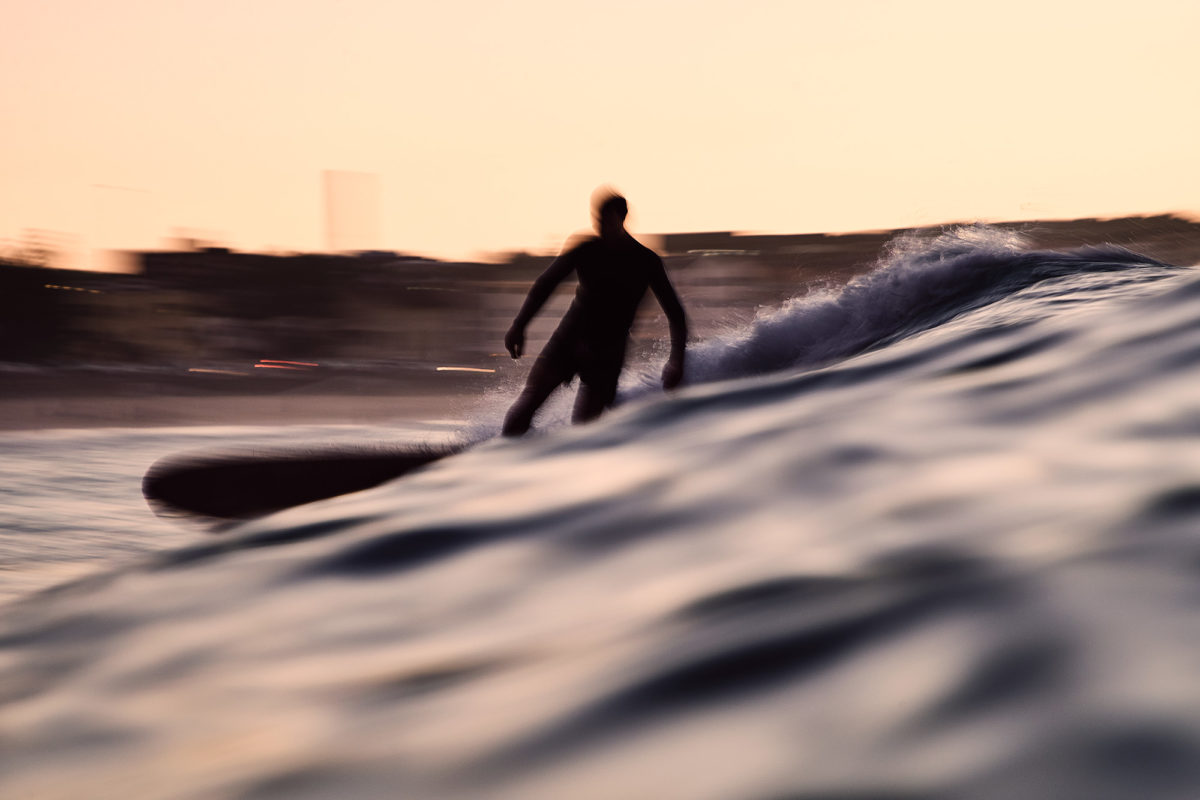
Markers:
point(231, 487)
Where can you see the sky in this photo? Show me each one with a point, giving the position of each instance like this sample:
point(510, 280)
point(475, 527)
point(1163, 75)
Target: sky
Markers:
point(487, 125)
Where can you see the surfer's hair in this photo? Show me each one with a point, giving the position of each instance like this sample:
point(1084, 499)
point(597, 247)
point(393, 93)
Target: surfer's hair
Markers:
point(612, 204)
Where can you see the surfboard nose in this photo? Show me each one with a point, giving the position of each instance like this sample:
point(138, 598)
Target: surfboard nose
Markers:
point(234, 486)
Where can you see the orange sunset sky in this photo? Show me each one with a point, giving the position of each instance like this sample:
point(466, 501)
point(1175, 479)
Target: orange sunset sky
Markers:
point(488, 124)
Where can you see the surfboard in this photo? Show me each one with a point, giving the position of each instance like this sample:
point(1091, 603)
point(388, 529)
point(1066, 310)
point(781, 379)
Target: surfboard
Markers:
point(238, 486)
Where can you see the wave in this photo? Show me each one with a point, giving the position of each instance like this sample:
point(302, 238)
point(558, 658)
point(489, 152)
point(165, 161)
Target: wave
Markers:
point(918, 284)
point(940, 543)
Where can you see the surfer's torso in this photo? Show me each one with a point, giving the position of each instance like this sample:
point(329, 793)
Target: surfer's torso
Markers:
point(613, 278)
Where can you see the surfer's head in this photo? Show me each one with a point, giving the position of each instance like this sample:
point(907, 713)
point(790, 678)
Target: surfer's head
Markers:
point(609, 210)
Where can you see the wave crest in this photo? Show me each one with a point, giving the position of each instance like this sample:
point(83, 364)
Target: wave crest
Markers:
point(919, 283)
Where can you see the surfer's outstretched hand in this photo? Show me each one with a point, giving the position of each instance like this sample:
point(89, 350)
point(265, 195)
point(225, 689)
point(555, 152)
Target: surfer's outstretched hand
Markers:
point(514, 341)
point(672, 373)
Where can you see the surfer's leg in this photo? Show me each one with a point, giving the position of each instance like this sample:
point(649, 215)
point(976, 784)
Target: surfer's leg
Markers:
point(589, 404)
point(544, 378)
point(597, 391)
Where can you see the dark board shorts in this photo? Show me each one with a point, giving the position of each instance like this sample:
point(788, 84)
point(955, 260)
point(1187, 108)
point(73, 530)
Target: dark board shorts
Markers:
point(597, 365)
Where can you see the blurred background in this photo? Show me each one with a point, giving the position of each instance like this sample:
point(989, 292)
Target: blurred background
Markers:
point(201, 321)
point(194, 193)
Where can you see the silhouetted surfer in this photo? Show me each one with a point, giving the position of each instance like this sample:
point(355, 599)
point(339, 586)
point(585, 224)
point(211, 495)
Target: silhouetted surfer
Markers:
point(614, 271)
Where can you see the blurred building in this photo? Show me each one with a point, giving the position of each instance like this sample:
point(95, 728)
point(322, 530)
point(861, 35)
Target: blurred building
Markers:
point(211, 305)
point(352, 213)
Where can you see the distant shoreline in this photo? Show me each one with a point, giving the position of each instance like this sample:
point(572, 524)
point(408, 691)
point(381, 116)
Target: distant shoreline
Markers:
point(387, 369)
point(66, 399)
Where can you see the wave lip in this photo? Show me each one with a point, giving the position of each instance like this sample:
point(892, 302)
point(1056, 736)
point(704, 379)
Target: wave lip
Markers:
point(917, 285)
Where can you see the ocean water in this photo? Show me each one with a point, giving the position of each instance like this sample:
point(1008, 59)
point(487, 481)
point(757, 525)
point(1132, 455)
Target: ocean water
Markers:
point(930, 535)
point(71, 499)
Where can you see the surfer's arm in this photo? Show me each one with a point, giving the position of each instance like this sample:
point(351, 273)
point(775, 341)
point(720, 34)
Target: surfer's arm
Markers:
point(677, 322)
point(539, 293)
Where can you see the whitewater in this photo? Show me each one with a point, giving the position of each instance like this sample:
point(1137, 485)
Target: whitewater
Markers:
point(932, 534)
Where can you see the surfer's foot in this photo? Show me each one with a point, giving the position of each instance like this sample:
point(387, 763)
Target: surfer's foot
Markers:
point(513, 431)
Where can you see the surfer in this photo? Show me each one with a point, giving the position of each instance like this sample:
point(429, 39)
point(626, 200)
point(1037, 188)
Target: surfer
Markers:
point(614, 270)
